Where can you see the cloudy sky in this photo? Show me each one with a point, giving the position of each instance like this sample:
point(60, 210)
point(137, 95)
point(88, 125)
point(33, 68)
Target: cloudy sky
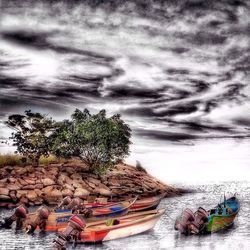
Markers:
point(177, 71)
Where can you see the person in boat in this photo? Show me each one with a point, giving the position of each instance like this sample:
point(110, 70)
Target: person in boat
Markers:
point(220, 209)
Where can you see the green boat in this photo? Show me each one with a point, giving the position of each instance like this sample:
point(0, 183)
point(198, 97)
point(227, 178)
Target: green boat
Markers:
point(222, 215)
point(208, 221)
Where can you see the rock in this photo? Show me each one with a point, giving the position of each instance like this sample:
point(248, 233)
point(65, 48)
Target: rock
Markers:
point(13, 186)
point(113, 182)
point(4, 180)
point(47, 182)
point(55, 193)
point(4, 191)
point(11, 179)
point(47, 189)
point(4, 197)
point(38, 192)
point(96, 182)
point(32, 187)
point(81, 192)
point(67, 192)
point(30, 180)
point(70, 187)
point(23, 200)
point(77, 185)
point(68, 180)
point(20, 171)
point(70, 170)
point(103, 191)
point(21, 193)
point(31, 195)
point(61, 179)
point(76, 177)
point(22, 182)
point(90, 184)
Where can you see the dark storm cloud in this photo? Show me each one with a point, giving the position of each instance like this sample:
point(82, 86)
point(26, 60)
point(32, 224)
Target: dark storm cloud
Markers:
point(131, 92)
point(40, 40)
point(163, 135)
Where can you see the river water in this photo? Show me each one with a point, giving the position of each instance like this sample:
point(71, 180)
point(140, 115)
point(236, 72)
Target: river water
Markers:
point(163, 236)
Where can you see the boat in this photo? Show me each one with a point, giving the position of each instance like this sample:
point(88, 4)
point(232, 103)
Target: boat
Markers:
point(208, 221)
point(123, 227)
point(144, 204)
point(223, 215)
point(80, 232)
point(59, 218)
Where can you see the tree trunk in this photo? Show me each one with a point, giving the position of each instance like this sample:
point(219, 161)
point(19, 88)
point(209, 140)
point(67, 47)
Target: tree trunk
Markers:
point(35, 161)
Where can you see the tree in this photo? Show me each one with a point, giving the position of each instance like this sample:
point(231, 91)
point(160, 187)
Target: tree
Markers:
point(33, 134)
point(97, 140)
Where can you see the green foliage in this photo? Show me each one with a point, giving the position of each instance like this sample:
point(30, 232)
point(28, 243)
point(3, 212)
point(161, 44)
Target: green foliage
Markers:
point(13, 160)
point(33, 134)
point(97, 140)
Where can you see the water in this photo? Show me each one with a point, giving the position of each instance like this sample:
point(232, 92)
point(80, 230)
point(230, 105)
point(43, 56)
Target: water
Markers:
point(163, 236)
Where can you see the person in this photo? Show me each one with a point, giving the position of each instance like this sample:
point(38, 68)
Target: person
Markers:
point(220, 210)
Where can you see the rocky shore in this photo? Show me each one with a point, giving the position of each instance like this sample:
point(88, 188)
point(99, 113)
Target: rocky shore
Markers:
point(49, 184)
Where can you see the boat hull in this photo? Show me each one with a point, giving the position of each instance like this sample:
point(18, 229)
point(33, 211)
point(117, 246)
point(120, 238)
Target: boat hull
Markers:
point(121, 231)
point(145, 204)
point(219, 222)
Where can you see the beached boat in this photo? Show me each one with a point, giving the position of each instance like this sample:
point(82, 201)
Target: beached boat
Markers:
point(106, 230)
point(144, 204)
point(125, 226)
point(59, 219)
point(209, 221)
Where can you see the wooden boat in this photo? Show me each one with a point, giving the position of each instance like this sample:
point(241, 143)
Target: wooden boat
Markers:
point(140, 205)
point(146, 203)
point(209, 221)
point(125, 226)
point(59, 219)
point(222, 215)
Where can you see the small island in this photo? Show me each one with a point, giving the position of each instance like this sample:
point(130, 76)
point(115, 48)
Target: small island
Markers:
point(81, 157)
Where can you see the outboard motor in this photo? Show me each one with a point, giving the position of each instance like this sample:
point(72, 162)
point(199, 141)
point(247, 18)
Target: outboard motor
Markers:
point(182, 223)
point(19, 215)
point(72, 232)
point(64, 203)
point(40, 220)
point(200, 218)
point(74, 204)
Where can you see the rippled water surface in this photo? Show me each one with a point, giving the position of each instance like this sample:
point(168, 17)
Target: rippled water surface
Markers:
point(163, 236)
